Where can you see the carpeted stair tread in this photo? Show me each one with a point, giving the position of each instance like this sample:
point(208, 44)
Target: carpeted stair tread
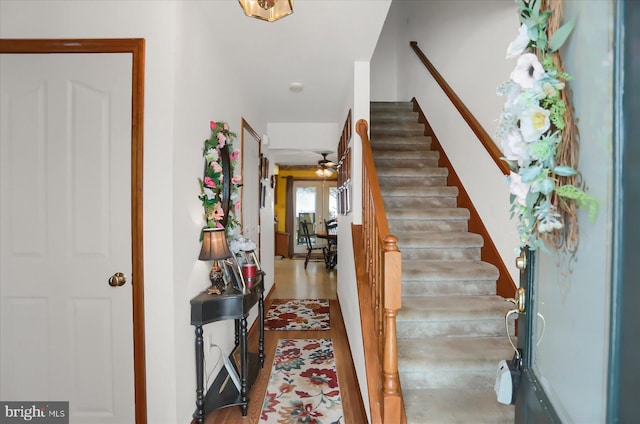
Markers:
point(408, 163)
point(412, 181)
point(384, 106)
point(428, 214)
point(419, 202)
point(448, 271)
point(445, 191)
point(425, 225)
point(415, 240)
point(386, 142)
point(455, 406)
point(392, 156)
point(399, 128)
point(452, 308)
point(391, 115)
point(453, 353)
point(412, 172)
point(473, 287)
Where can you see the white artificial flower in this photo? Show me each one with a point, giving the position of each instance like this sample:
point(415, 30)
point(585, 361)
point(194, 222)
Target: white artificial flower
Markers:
point(521, 42)
point(515, 149)
point(534, 122)
point(212, 155)
point(518, 188)
point(528, 70)
point(209, 193)
point(241, 243)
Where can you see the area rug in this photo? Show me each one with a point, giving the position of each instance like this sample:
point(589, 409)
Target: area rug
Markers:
point(298, 314)
point(303, 387)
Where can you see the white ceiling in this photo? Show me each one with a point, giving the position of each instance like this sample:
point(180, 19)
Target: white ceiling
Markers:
point(317, 46)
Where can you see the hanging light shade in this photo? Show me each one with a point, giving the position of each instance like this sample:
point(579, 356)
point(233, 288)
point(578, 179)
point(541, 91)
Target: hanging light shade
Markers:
point(267, 10)
point(324, 172)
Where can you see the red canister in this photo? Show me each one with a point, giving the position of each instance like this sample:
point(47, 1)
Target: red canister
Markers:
point(249, 271)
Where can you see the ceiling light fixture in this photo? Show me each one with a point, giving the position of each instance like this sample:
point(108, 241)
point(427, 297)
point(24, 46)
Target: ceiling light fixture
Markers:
point(267, 10)
point(324, 172)
point(326, 168)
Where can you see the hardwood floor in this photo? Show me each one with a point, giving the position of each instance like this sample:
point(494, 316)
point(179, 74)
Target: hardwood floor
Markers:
point(292, 281)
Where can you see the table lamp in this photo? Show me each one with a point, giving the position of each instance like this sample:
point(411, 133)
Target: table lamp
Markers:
point(215, 248)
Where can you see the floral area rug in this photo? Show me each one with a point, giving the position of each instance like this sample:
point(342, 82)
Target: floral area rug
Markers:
point(303, 387)
point(298, 314)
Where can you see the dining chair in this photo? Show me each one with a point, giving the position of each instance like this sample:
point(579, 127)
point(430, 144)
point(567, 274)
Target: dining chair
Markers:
point(331, 250)
point(310, 246)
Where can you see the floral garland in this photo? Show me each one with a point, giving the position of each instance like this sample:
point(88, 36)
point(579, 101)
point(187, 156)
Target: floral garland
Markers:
point(535, 128)
point(212, 183)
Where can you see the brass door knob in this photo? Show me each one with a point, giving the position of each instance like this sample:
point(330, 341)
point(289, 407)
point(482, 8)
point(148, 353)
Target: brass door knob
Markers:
point(521, 262)
point(118, 279)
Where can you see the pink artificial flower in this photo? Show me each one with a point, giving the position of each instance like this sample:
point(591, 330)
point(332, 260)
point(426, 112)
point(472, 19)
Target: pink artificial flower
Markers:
point(237, 206)
point(236, 179)
point(221, 139)
point(216, 167)
point(209, 182)
point(212, 125)
point(218, 213)
point(225, 127)
point(235, 155)
point(219, 225)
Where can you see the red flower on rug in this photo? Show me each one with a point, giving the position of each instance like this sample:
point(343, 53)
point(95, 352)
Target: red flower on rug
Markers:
point(298, 314)
point(303, 387)
point(321, 377)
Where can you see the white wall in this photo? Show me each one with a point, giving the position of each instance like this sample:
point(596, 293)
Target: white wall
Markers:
point(152, 20)
point(385, 62)
point(304, 136)
point(204, 91)
point(466, 41)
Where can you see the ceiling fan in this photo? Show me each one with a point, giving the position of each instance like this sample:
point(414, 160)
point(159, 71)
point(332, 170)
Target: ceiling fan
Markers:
point(325, 167)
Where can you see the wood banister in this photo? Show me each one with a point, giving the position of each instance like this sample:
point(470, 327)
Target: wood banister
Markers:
point(471, 120)
point(379, 273)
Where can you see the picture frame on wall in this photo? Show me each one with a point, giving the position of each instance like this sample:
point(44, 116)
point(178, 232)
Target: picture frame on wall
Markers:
point(264, 168)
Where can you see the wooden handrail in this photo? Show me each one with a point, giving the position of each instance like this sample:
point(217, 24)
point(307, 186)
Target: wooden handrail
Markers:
point(471, 120)
point(379, 273)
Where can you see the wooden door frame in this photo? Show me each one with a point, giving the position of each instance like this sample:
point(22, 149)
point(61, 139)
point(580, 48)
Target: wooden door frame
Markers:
point(290, 226)
point(135, 46)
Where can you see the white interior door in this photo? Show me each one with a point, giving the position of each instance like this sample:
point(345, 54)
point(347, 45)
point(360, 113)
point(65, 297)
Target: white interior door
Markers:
point(315, 202)
point(65, 219)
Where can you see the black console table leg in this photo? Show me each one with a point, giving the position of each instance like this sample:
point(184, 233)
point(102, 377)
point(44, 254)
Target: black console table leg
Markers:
point(236, 325)
point(261, 327)
point(244, 362)
point(199, 415)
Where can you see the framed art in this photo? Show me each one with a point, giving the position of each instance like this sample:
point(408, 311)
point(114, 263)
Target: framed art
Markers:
point(231, 271)
point(253, 257)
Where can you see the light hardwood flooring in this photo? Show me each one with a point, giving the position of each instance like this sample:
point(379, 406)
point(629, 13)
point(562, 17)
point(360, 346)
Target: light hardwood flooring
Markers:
point(292, 281)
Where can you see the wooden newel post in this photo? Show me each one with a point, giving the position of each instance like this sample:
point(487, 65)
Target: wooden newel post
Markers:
point(392, 303)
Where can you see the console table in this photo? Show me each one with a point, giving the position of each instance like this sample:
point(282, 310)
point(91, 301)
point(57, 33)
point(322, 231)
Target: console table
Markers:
point(230, 304)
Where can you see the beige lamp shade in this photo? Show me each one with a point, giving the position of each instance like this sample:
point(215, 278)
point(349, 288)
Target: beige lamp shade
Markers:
point(214, 245)
point(267, 10)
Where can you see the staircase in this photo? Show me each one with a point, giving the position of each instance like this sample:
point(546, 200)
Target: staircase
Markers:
point(451, 332)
